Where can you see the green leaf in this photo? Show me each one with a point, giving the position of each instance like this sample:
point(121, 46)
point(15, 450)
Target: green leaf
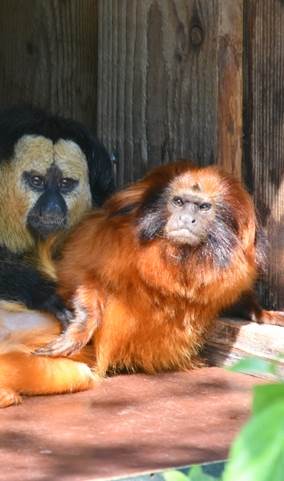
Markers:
point(254, 365)
point(175, 475)
point(266, 395)
point(258, 452)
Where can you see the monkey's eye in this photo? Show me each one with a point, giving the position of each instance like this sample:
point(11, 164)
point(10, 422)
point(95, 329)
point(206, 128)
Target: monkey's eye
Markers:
point(177, 201)
point(37, 181)
point(67, 184)
point(205, 206)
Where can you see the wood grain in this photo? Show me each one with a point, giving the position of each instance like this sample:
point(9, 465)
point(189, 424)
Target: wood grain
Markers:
point(158, 73)
point(264, 132)
point(232, 340)
point(230, 87)
point(48, 55)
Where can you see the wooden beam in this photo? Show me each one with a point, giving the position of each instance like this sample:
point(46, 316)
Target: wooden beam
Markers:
point(233, 339)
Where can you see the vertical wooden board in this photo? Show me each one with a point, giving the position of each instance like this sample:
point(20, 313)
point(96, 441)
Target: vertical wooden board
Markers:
point(157, 81)
point(264, 131)
point(230, 85)
point(48, 55)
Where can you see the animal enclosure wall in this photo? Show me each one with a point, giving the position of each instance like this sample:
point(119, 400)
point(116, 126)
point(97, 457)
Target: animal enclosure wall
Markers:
point(159, 80)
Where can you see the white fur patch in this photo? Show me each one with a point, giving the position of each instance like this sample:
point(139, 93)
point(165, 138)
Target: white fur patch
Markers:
point(12, 322)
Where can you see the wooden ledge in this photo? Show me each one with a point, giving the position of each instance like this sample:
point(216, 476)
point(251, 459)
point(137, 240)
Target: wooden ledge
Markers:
point(234, 339)
point(125, 426)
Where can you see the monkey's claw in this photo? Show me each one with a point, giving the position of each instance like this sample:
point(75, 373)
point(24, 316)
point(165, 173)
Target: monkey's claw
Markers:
point(70, 342)
point(64, 345)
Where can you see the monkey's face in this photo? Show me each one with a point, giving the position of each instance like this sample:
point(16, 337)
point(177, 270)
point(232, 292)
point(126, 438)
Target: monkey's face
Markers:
point(49, 213)
point(182, 211)
point(190, 215)
point(45, 187)
point(199, 213)
point(194, 209)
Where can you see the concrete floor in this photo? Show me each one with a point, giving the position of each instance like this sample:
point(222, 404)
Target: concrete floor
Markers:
point(127, 425)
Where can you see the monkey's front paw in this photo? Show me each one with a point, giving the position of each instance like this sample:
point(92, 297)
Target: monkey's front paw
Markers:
point(64, 345)
point(8, 397)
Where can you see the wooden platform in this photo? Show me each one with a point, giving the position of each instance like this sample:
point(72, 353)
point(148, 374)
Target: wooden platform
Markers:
point(127, 425)
point(235, 339)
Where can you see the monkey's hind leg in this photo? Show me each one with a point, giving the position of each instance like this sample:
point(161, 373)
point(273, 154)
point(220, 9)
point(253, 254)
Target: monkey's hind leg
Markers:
point(24, 373)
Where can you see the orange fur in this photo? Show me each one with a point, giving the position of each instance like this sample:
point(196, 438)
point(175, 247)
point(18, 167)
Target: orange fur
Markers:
point(150, 310)
point(156, 311)
point(21, 372)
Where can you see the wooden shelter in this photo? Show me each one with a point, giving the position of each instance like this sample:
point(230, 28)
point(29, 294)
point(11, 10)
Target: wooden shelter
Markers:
point(157, 80)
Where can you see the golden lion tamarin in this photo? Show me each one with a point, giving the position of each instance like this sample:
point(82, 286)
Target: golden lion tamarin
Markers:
point(146, 277)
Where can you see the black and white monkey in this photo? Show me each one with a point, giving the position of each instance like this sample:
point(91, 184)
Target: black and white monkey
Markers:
point(52, 170)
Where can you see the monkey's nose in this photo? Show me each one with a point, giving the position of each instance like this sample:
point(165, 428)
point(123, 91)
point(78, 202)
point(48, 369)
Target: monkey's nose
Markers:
point(51, 208)
point(51, 205)
point(185, 220)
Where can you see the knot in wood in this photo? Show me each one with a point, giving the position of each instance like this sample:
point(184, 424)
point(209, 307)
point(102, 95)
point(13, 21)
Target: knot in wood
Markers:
point(196, 35)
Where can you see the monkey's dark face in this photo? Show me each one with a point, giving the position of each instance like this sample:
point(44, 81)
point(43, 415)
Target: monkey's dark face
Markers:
point(189, 217)
point(49, 213)
point(182, 212)
point(50, 190)
point(192, 210)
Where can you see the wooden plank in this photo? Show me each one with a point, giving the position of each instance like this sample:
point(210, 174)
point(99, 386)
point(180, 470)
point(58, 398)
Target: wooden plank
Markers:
point(158, 82)
point(230, 85)
point(264, 132)
point(48, 55)
point(126, 426)
point(233, 339)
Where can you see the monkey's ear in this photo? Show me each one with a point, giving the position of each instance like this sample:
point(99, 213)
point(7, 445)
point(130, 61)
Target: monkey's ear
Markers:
point(101, 175)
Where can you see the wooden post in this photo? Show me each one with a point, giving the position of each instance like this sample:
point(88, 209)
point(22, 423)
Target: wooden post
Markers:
point(264, 132)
